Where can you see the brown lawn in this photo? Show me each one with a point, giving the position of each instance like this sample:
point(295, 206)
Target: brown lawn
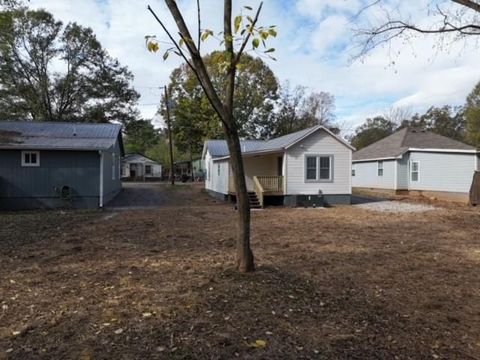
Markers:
point(331, 284)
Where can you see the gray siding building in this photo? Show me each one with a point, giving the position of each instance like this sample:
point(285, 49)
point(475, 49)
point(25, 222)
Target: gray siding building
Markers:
point(59, 165)
point(415, 160)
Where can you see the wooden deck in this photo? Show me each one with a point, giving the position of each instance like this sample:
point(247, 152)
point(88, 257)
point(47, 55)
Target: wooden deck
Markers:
point(264, 186)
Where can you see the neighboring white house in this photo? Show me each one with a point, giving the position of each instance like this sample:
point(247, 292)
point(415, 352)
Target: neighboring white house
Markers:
point(292, 170)
point(139, 167)
point(416, 160)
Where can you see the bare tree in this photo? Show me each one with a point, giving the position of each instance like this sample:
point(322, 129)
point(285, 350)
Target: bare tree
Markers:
point(320, 108)
point(233, 34)
point(397, 114)
point(460, 18)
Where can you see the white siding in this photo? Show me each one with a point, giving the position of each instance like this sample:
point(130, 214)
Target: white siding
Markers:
point(402, 172)
point(213, 181)
point(443, 172)
point(366, 175)
point(319, 143)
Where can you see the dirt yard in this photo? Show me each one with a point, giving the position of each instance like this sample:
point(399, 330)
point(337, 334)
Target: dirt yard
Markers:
point(337, 283)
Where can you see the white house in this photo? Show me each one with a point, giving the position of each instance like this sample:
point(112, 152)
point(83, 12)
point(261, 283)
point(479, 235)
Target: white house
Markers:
point(292, 170)
point(139, 167)
point(419, 161)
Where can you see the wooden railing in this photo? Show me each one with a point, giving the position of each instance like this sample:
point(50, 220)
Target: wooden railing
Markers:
point(266, 184)
point(271, 183)
point(258, 188)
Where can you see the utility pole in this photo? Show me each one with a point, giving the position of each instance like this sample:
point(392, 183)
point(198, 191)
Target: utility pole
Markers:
point(170, 144)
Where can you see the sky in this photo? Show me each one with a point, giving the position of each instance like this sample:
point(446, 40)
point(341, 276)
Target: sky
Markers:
point(316, 47)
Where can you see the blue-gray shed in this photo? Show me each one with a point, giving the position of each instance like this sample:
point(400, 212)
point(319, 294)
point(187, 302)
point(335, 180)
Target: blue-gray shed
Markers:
point(53, 164)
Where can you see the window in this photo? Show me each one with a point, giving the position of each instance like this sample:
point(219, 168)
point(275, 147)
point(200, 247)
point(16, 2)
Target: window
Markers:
point(318, 168)
point(414, 170)
point(114, 168)
point(30, 158)
point(353, 170)
point(148, 169)
point(380, 168)
point(311, 168)
point(218, 169)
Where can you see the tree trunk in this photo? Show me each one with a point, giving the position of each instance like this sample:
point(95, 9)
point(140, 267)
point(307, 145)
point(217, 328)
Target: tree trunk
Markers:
point(244, 255)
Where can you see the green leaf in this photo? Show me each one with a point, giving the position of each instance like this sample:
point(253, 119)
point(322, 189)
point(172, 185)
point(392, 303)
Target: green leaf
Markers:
point(181, 42)
point(255, 43)
point(264, 35)
point(206, 34)
point(272, 32)
point(165, 56)
point(269, 50)
point(237, 22)
point(248, 7)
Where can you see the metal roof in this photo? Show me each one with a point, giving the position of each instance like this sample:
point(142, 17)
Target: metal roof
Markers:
point(131, 158)
point(58, 135)
point(219, 148)
point(409, 138)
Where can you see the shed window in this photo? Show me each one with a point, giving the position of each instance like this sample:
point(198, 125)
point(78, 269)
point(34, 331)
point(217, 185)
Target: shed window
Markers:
point(218, 169)
point(30, 158)
point(353, 170)
point(414, 170)
point(380, 168)
point(148, 169)
point(318, 168)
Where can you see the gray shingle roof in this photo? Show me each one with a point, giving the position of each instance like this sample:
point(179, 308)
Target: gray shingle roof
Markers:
point(219, 148)
point(408, 138)
point(57, 135)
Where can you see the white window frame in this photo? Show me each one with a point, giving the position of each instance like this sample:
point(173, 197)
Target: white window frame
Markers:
point(417, 172)
point(318, 179)
point(380, 168)
point(30, 164)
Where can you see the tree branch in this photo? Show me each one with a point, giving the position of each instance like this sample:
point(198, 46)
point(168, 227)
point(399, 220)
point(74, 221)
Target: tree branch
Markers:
point(247, 38)
point(199, 40)
point(469, 3)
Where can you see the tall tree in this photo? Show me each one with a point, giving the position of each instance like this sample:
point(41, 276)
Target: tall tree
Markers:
point(242, 30)
point(59, 73)
point(194, 118)
point(446, 120)
point(140, 135)
point(296, 109)
point(472, 116)
point(372, 130)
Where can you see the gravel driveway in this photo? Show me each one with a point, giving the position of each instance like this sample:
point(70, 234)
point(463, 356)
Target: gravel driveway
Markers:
point(395, 207)
point(138, 196)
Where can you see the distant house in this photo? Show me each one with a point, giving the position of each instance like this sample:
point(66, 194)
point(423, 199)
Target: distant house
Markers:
point(140, 167)
point(292, 170)
point(415, 160)
point(50, 165)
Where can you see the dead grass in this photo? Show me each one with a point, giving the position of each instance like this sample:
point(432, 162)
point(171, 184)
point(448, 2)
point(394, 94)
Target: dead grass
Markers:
point(335, 283)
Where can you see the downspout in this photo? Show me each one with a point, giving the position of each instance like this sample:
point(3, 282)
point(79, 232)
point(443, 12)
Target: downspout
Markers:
point(100, 197)
point(395, 180)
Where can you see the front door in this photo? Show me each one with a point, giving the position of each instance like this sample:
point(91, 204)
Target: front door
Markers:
point(280, 166)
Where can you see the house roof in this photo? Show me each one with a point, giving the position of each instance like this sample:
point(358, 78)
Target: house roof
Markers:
point(219, 148)
point(138, 158)
point(58, 136)
point(409, 139)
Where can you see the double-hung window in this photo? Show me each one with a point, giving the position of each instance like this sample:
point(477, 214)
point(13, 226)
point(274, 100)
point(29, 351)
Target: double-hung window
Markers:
point(380, 168)
point(414, 171)
point(30, 158)
point(318, 168)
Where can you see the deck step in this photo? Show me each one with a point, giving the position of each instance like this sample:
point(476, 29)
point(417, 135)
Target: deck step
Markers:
point(253, 199)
